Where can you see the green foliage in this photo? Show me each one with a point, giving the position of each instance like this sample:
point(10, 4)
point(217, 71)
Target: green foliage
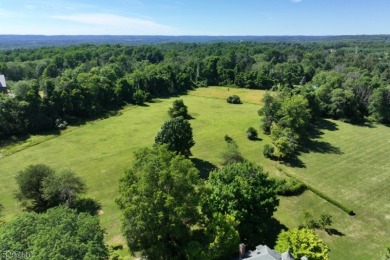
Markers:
point(1, 221)
point(268, 151)
point(86, 205)
point(62, 188)
point(176, 133)
point(302, 242)
point(40, 188)
point(60, 233)
point(294, 114)
point(290, 187)
point(178, 109)
point(158, 197)
point(223, 236)
point(268, 112)
point(251, 133)
point(234, 99)
point(244, 191)
point(218, 239)
point(286, 118)
point(379, 105)
point(30, 185)
point(231, 153)
point(139, 97)
point(387, 253)
point(284, 141)
point(325, 221)
point(308, 220)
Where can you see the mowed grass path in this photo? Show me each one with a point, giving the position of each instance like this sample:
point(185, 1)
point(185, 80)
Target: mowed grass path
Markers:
point(351, 166)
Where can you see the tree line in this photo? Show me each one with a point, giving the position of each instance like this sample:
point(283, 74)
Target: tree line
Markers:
point(346, 80)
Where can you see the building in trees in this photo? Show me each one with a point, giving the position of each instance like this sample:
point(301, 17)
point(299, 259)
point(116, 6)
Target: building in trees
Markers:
point(3, 84)
point(263, 252)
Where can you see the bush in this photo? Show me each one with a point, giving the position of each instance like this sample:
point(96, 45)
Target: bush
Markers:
point(290, 187)
point(178, 109)
point(231, 154)
point(251, 133)
point(268, 151)
point(234, 99)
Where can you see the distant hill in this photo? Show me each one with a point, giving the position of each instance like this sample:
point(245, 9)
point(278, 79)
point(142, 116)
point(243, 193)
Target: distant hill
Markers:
point(34, 41)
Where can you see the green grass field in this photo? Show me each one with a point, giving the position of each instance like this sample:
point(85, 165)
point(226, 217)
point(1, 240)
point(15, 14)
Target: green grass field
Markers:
point(348, 163)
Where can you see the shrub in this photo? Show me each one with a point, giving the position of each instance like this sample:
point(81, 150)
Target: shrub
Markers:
point(178, 109)
point(268, 151)
point(234, 99)
point(231, 154)
point(290, 187)
point(251, 133)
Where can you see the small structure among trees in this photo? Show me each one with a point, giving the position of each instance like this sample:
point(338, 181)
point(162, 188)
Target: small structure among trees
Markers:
point(3, 85)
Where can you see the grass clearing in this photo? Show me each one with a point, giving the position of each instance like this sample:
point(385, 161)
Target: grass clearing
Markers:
point(349, 163)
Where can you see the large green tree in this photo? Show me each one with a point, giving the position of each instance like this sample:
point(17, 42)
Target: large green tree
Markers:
point(178, 109)
point(176, 133)
point(302, 242)
point(63, 188)
point(30, 186)
point(158, 197)
point(60, 233)
point(40, 188)
point(245, 192)
point(379, 105)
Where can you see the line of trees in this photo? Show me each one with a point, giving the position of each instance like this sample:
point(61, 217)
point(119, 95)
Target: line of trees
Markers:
point(81, 81)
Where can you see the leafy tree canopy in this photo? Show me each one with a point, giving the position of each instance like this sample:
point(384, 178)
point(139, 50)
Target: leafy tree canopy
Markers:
point(302, 242)
point(60, 233)
point(40, 188)
point(30, 186)
point(245, 192)
point(158, 197)
point(178, 109)
point(176, 133)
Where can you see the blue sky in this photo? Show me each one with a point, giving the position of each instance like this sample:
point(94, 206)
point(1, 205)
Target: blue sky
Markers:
point(195, 17)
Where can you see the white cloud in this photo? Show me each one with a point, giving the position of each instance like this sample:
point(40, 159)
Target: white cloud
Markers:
point(115, 24)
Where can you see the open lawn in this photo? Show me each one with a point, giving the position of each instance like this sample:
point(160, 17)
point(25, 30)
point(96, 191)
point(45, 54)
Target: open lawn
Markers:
point(349, 163)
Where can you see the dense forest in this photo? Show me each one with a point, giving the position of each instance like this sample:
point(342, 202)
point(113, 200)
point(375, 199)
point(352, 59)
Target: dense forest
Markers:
point(51, 86)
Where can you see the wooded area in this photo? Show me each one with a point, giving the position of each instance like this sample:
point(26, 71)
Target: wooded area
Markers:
point(50, 85)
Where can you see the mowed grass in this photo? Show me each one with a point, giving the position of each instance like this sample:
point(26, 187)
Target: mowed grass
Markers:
point(351, 166)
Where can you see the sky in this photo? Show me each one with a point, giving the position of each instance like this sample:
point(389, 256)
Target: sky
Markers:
point(195, 17)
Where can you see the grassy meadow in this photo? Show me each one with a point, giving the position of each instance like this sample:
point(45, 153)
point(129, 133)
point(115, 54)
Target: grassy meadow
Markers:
point(349, 163)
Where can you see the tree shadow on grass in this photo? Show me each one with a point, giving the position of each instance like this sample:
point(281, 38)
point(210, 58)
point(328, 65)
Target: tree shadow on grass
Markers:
point(275, 227)
point(204, 167)
point(315, 146)
point(294, 162)
point(256, 139)
point(334, 232)
point(310, 144)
